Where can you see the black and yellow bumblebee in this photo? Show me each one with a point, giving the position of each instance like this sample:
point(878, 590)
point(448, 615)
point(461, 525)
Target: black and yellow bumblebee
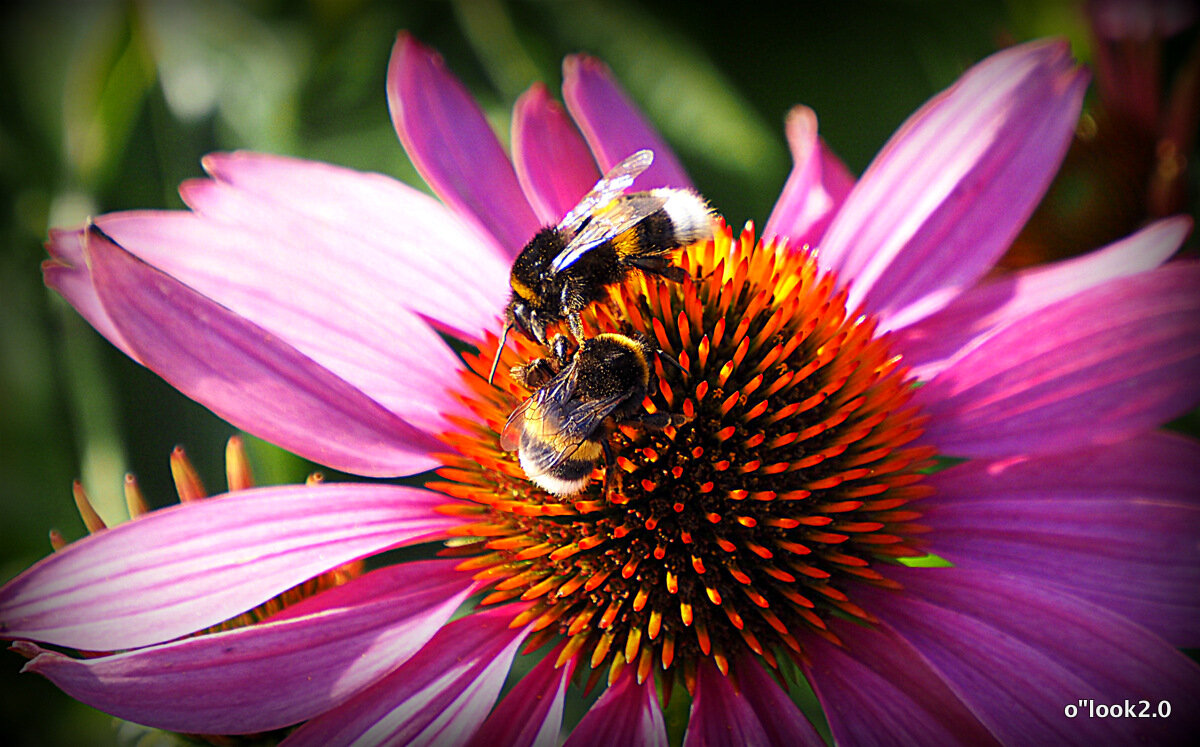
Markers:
point(606, 236)
point(563, 428)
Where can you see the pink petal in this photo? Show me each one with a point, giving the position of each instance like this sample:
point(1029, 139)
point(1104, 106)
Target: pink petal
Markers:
point(878, 689)
point(552, 159)
point(247, 375)
point(453, 146)
point(1018, 654)
point(277, 673)
point(720, 714)
point(531, 713)
point(931, 344)
point(756, 712)
point(815, 189)
point(348, 235)
point(67, 273)
point(781, 719)
point(342, 315)
point(439, 697)
point(1108, 363)
point(951, 189)
point(1116, 525)
point(191, 566)
point(627, 713)
point(612, 124)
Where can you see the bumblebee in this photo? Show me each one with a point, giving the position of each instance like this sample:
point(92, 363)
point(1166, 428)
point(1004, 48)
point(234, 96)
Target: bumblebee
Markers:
point(562, 430)
point(606, 236)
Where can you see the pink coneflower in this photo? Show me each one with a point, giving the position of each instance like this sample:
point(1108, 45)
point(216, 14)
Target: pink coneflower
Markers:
point(830, 374)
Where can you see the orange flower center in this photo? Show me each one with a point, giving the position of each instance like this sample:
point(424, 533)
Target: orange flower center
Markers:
point(744, 528)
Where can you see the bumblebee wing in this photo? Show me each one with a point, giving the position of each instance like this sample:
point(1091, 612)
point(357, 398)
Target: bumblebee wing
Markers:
point(510, 436)
point(557, 391)
point(621, 216)
point(578, 428)
point(576, 422)
point(618, 179)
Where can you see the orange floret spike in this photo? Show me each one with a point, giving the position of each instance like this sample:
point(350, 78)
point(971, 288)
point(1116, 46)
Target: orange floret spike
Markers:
point(135, 500)
point(187, 479)
point(87, 512)
point(238, 475)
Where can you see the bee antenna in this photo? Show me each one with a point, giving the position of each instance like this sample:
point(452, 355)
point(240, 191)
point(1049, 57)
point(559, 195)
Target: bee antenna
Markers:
point(499, 350)
point(670, 359)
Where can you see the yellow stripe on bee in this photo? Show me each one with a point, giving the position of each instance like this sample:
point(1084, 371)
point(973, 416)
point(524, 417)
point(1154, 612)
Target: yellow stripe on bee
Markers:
point(627, 243)
point(588, 451)
point(520, 288)
point(539, 431)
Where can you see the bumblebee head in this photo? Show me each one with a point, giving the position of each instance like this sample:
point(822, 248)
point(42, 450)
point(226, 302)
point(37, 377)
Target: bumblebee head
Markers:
point(527, 317)
point(519, 315)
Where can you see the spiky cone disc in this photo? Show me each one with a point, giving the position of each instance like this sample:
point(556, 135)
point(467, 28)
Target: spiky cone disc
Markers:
point(745, 528)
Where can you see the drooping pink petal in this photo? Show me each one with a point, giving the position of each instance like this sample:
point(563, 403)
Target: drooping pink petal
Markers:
point(755, 712)
point(453, 147)
point(720, 714)
point(281, 672)
point(781, 719)
point(1018, 653)
point(67, 273)
point(530, 715)
point(878, 689)
point(626, 713)
point(1116, 525)
point(345, 316)
point(931, 344)
point(1108, 363)
point(351, 235)
point(439, 697)
point(951, 189)
point(552, 159)
point(188, 567)
point(613, 125)
point(247, 375)
point(815, 189)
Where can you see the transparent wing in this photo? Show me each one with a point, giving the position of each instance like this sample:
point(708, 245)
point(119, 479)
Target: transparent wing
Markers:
point(579, 419)
point(510, 436)
point(584, 419)
point(620, 217)
point(613, 184)
point(559, 390)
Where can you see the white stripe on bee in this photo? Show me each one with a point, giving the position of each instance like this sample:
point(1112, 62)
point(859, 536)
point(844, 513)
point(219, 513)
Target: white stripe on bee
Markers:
point(553, 484)
point(690, 215)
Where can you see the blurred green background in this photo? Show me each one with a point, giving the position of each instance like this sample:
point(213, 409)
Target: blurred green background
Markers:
point(109, 105)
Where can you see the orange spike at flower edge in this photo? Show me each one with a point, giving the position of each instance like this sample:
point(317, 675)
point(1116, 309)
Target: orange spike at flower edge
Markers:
point(189, 488)
point(799, 411)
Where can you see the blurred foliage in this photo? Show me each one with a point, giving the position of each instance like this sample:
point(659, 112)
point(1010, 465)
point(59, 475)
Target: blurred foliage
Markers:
point(109, 105)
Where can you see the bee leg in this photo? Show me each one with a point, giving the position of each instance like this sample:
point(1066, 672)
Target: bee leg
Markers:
point(537, 327)
point(560, 347)
point(576, 326)
point(660, 266)
point(612, 477)
point(538, 372)
point(535, 374)
point(658, 420)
